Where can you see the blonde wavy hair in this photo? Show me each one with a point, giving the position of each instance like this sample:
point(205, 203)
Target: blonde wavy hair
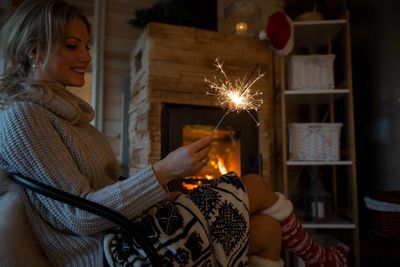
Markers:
point(39, 26)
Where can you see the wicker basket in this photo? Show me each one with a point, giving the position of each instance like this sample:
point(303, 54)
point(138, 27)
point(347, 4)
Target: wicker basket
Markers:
point(314, 141)
point(384, 212)
point(311, 72)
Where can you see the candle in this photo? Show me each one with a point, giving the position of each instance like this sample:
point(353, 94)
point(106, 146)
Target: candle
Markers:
point(241, 28)
point(318, 209)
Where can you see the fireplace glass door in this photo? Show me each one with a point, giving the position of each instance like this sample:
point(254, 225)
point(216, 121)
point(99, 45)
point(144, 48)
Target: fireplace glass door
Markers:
point(235, 148)
point(224, 153)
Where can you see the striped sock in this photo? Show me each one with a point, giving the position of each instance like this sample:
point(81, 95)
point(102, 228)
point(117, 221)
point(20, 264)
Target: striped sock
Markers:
point(296, 240)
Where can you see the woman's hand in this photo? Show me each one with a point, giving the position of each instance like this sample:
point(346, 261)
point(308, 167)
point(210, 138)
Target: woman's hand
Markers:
point(184, 161)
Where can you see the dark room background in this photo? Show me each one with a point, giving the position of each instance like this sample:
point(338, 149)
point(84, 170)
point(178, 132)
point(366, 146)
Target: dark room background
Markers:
point(375, 33)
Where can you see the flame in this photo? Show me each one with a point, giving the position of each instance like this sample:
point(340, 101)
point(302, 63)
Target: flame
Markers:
point(189, 186)
point(209, 177)
point(222, 170)
point(221, 166)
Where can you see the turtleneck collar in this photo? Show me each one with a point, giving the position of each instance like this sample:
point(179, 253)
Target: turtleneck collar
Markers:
point(62, 103)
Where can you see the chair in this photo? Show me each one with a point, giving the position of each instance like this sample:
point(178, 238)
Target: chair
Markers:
point(92, 207)
point(19, 246)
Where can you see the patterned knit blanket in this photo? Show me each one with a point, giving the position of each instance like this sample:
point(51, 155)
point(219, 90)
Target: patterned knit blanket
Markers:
point(207, 227)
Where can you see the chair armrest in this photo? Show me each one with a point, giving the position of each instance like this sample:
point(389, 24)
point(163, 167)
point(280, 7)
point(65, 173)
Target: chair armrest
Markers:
point(92, 207)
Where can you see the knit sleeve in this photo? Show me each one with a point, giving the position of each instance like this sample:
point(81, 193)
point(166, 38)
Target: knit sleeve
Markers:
point(31, 145)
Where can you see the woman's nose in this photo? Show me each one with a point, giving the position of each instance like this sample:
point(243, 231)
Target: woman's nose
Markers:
point(85, 56)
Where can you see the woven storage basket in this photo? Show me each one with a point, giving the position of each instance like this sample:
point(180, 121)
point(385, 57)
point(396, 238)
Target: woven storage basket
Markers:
point(384, 212)
point(314, 141)
point(311, 72)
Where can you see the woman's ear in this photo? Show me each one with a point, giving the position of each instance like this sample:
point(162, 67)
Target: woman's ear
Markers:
point(31, 52)
point(34, 57)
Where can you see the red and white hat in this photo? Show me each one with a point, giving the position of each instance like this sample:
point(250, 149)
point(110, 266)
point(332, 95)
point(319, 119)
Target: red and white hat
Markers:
point(279, 31)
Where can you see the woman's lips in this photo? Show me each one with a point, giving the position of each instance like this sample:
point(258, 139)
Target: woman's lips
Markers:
point(79, 70)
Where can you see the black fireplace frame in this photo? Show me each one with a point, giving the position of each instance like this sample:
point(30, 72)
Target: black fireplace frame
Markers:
point(175, 116)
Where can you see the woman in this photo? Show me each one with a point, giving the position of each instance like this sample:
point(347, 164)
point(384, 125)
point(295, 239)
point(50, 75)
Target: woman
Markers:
point(45, 134)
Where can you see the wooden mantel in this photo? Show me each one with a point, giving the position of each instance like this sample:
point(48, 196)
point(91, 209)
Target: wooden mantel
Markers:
point(169, 64)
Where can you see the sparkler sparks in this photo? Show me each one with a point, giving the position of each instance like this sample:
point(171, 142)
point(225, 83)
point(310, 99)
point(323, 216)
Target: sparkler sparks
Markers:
point(235, 95)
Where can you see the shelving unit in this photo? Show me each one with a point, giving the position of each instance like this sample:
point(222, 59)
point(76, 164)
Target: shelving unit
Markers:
point(314, 36)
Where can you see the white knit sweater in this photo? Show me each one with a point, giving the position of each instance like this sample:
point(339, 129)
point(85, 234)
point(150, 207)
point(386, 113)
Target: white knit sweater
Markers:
point(55, 144)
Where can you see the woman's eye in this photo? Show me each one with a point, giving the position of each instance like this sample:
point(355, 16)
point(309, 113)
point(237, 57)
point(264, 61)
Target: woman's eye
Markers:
point(70, 46)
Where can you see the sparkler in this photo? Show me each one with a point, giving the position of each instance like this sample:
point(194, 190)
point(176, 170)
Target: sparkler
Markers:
point(235, 95)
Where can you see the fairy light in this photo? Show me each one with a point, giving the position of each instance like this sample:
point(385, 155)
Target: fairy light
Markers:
point(235, 95)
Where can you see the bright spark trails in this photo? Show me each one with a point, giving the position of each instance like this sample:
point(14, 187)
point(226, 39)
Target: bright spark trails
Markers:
point(235, 95)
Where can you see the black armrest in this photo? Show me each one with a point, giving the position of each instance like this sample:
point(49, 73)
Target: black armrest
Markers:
point(92, 207)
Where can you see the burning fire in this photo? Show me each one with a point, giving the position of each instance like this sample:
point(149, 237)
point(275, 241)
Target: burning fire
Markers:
point(189, 186)
point(224, 154)
point(221, 166)
point(222, 170)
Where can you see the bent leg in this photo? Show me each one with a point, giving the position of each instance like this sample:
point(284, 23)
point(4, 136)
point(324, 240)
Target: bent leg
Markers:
point(265, 237)
point(259, 192)
point(295, 238)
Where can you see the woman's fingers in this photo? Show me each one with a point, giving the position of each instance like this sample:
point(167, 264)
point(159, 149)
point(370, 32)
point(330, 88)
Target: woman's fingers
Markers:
point(200, 149)
point(201, 143)
point(202, 153)
point(205, 160)
point(184, 161)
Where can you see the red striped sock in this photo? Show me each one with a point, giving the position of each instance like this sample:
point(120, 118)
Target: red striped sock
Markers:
point(296, 239)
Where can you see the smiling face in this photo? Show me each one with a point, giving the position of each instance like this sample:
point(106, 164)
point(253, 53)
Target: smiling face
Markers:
point(68, 65)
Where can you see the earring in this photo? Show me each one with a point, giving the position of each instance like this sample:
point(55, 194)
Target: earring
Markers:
point(34, 62)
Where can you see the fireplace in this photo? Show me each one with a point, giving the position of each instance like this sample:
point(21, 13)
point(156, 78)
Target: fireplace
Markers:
point(235, 147)
point(169, 105)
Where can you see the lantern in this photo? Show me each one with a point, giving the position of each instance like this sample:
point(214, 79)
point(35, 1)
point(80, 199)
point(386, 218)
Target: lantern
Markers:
point(242, 17)
point(317, 202)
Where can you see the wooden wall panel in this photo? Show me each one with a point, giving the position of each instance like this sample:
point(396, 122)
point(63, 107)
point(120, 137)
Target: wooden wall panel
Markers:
point(120, 38)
